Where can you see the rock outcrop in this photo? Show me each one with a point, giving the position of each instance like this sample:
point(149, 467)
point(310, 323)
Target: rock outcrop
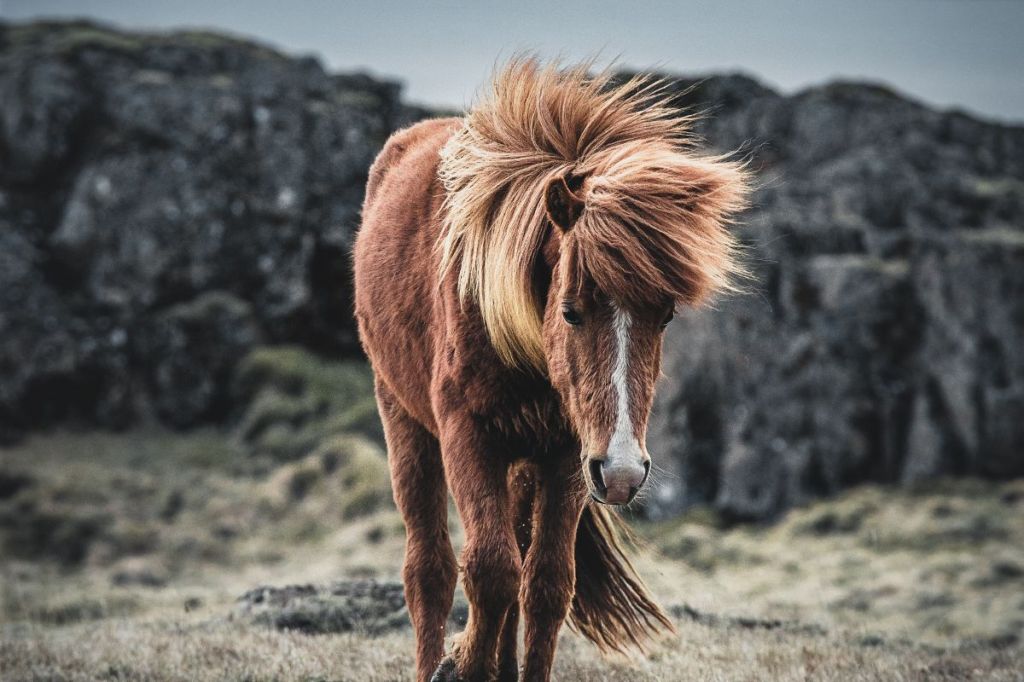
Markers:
point(170, 201)
point(883, 335)
point(365, 606)
point(166, 202)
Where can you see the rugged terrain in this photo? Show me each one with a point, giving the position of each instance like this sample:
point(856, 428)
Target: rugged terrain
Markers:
point(170, 201)
point(883, 336)
point(192, 482)
point(149, 555)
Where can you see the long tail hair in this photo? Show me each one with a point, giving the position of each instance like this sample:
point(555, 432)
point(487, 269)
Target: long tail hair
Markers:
point(612, 607)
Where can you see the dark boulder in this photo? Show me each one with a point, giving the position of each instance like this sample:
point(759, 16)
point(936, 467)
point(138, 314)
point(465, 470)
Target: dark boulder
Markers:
point(194, 348)
point(139, 173)
point(969, 411)
point(880, 340)
point(365, 606)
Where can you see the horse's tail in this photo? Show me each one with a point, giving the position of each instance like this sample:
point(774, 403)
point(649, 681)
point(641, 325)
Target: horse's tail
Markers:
point(612, 607)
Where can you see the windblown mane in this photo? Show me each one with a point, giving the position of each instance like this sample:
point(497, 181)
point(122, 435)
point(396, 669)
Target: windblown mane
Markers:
point(655, 214)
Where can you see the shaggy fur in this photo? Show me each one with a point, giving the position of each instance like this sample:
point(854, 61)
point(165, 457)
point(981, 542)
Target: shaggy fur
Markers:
point(642, 228)
point(496, 253)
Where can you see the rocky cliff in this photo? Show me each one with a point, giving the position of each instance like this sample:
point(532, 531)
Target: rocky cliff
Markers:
point(883, 337)
point(166, 202)
point(169, 201)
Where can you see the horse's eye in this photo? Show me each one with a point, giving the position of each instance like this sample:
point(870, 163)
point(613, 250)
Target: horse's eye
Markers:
point(668, 318)
point(571, 315)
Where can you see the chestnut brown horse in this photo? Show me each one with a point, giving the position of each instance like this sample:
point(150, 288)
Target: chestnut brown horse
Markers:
point(514, 272)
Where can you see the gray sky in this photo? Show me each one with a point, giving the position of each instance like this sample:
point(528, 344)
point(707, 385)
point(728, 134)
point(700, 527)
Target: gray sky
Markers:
point(963, 53)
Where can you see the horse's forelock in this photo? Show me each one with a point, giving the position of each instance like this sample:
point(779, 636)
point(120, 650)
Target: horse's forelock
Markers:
point(656, 227)
point(655, 217)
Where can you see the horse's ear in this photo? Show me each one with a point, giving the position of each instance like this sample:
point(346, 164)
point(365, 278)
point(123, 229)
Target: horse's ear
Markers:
point(563, 205)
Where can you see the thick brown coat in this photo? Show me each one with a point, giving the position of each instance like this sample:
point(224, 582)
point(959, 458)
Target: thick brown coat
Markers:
point(494, 331)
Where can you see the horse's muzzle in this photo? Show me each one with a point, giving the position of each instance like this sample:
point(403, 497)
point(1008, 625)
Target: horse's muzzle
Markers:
point(616, 482)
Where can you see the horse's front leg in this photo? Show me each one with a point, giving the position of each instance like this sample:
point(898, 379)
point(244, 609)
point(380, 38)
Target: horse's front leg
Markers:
point(476, 469)
point(549, 573)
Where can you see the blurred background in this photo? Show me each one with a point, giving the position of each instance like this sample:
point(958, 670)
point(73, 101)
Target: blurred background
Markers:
point(192, 476)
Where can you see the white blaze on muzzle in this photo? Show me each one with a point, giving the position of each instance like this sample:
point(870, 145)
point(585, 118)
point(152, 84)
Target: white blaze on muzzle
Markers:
point(624, 450)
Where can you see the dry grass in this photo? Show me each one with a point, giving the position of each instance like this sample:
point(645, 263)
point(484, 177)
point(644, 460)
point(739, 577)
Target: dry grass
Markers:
point(942, 563)
point(198, 649)
point(123, 556)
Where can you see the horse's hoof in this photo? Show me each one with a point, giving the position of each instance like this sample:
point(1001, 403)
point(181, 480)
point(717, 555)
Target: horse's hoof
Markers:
point(446, 671)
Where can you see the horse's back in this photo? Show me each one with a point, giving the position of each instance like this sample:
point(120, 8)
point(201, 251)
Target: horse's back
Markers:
point(395, 262)
point(424, 137)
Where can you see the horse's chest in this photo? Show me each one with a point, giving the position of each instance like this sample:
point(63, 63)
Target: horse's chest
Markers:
point(530, 422)
point(522, 414)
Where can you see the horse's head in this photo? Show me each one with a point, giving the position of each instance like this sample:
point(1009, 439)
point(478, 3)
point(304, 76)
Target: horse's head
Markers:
point(576, 224)
point(608, 304)
point(603, 357)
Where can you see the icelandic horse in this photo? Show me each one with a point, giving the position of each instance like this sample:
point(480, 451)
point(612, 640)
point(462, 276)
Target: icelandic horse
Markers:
point(514, 272)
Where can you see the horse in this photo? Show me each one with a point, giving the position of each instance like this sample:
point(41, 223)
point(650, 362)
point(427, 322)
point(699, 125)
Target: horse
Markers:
point(515, 270)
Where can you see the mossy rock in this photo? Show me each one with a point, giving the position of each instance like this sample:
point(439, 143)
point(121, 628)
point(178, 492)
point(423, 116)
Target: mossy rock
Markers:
point(344, 478)
point(361, 418)
point(272, 407)
point(294, 400)
point(362, 471)
point(66, 535)
point(283, 443)
point(293, 370)
point(345, 606)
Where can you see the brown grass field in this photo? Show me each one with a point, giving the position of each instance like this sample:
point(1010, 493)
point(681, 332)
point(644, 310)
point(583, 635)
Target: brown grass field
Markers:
point(123, 557)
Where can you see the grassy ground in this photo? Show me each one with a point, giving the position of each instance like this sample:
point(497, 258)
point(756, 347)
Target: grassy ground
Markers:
point(123, 556)
point(180, 650)
point(940, 564)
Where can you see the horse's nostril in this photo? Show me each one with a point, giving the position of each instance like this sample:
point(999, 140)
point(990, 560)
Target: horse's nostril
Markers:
point(647, 472)
point(596, 476)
